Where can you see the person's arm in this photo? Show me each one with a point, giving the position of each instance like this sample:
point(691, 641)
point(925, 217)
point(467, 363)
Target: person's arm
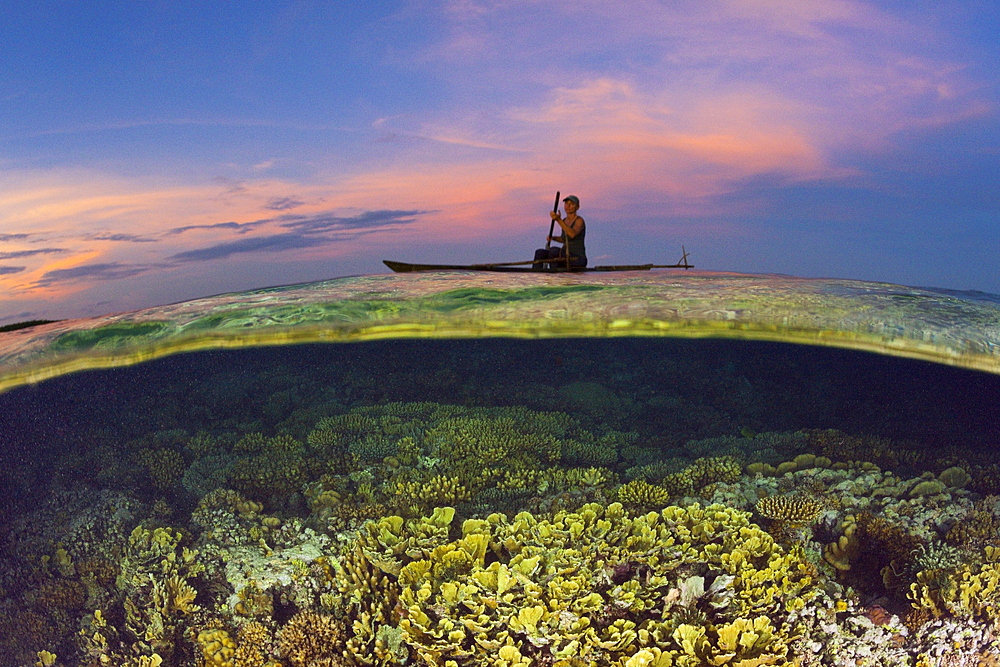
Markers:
point(570, 231)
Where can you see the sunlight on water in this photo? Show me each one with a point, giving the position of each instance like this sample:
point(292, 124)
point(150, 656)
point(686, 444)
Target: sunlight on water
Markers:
point(879, 317)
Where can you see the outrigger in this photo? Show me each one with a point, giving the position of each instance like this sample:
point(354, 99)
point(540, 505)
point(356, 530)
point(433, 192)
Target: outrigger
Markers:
point(525, 267)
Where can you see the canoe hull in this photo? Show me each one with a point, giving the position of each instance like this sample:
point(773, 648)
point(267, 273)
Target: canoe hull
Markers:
point(404, 267)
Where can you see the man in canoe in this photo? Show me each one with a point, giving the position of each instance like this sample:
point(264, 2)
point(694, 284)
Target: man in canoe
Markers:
point(574, 230)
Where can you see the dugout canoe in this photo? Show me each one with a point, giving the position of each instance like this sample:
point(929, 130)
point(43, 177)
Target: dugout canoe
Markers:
point(524, 267)
point(404, 267)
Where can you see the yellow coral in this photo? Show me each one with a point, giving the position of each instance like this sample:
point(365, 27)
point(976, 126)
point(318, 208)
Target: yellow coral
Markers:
point(789, 509)
point(45, 659)
point(217, 647)
point(840, 553)
point(642, 493)
point(252, 638)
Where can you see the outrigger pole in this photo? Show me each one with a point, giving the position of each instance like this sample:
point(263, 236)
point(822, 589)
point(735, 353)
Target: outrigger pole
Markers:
point(682, 264)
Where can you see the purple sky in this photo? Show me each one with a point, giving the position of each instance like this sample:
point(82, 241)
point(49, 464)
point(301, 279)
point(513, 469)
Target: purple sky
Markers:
point(155, 152)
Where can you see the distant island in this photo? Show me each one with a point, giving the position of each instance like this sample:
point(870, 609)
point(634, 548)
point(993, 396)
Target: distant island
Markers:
point(24, 325)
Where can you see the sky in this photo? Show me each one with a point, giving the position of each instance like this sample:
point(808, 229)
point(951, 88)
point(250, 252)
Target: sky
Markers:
point(153, 152)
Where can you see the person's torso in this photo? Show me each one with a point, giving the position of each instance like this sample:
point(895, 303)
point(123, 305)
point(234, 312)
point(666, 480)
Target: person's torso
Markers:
point(575, 245)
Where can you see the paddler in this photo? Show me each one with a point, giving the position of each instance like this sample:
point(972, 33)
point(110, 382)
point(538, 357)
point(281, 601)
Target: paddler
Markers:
point(574, 230)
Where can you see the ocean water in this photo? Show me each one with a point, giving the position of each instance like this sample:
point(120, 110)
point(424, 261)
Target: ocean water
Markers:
point(504, 470)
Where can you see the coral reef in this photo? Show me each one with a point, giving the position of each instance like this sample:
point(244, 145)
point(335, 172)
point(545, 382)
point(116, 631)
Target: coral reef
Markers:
point(789, 509)
point(434, 534)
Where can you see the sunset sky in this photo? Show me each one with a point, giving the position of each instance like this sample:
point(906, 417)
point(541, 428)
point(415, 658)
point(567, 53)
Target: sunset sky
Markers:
point(152, 152)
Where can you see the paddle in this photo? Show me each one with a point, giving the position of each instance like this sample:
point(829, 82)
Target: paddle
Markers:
point(552, 226)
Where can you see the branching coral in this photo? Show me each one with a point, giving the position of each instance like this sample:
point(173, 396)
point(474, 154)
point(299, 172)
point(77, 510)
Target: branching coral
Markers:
point(437, 491)
point(789, 509)
point(643, 494)
point(312, 640)
point(979, 528)
point(276, 466)
point(165, 466)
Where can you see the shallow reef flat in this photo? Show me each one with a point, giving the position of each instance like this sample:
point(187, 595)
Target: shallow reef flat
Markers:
point(612, 500)
point(956, 328)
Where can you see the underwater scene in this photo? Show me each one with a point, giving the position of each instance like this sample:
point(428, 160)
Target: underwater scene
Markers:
point(468, 470)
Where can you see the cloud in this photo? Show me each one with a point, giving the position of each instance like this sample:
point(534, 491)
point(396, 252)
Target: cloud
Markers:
point(283, 204)
point(272, 243)
point(12, 237)
point(368, 220)
point(131, 238)
point(310, 231)
point(6, 270)
point(239, 226)
point(16, 254)
point(91, 273)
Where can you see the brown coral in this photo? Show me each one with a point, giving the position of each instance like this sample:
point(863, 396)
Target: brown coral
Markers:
point(252, 640)
point(979, 528)
point(312, 640)
point(890, 539)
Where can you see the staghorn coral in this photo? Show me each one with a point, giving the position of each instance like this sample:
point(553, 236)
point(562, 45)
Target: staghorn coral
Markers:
point(887, 539)
point(703, 472)
point(711, 470)
point(436, 491)
point(600, 452)
point(252, 643)
point(274, 466)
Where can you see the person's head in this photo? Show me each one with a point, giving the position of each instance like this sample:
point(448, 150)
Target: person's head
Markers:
point(571, 202)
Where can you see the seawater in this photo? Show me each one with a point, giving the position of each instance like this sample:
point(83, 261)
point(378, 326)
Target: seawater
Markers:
point(236, 506)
